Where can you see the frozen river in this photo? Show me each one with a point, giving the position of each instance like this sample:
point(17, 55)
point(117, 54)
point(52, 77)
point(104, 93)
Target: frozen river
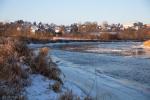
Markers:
point(106, 70)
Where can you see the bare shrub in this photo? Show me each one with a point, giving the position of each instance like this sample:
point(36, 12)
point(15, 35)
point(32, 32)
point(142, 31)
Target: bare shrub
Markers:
point(88, 98)
point(56, 86)
point(11, 69)
point(68, 96)
point(13, 54)
point(40, 64)
point(44, 51)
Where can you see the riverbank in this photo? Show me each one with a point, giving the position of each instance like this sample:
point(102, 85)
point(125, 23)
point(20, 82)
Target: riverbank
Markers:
point(28, 74)
point(66, 40)
point(81, 40)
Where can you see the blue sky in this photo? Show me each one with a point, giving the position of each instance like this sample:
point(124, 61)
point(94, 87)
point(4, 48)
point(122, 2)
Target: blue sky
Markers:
point(70, 11)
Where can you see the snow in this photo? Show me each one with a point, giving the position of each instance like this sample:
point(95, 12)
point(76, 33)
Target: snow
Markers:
point(68, 85)
point(40, 89)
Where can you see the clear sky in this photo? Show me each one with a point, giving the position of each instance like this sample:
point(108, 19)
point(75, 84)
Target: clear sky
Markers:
point(70, 11)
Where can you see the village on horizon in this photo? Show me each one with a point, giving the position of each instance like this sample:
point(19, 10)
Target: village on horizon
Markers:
point(77, 31)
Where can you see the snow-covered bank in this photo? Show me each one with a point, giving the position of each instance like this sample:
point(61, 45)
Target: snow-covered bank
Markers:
point(40, 89)
point(43, 84)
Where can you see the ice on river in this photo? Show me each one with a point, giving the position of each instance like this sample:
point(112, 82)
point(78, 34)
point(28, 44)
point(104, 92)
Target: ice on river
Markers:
point(105, 70)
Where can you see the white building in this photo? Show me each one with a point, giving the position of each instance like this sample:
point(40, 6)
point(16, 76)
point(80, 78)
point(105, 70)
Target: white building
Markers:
point(18, 28)
point(68, 29)
point(148, 25)
point(33, 29)
point(127, 25)
point(57, 29)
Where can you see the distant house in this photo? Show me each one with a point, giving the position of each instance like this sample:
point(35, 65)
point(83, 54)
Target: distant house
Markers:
point(148, 25)
point(100, 27)
point(136, 28)
point(19, 28)
point(33, 29)
point(128, 25)
point(57, 29)
point(68, 29)
point(121, 28)
point(46, 26)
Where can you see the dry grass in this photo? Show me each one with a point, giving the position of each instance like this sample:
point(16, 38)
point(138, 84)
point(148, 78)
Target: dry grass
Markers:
point(68, 96)
point(13, 77)
point(10, 54)
point(44, 51)
point(147, 43)
point(40, 64)
point(12, 73)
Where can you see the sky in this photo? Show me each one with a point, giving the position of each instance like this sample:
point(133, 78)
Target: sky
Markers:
point(75, 11)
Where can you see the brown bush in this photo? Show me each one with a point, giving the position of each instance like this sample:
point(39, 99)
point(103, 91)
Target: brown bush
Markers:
point(40, 64)
point(68, 96)
point(11, 46)
point(10, 68)
point(56, 86)
point(12, 73)
point(13, 54)
point(44, 51)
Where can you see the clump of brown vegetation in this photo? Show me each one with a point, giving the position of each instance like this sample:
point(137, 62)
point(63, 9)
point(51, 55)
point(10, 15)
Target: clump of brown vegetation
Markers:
point(17, 62)
point(68, 96)
point(12, 72)
point(56, 86)
point(40, 64)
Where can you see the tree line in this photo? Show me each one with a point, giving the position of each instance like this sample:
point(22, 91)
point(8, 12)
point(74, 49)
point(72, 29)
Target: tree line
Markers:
point(87, 30)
